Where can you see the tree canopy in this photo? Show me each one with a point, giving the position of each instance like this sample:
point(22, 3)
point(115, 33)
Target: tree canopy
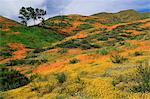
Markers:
point(27, 13)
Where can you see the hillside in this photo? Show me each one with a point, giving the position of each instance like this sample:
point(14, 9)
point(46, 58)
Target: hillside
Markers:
point(105, 55)
point(122, 16)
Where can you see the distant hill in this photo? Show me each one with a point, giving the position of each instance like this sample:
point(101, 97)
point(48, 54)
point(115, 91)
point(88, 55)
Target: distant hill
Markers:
point(122, 16)
point(69, 24)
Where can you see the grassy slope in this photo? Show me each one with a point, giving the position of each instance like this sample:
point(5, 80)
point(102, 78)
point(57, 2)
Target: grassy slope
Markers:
point(32, 37)
point(86, 68)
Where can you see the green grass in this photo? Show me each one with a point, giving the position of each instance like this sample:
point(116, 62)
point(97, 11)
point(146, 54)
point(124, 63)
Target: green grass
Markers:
point(32, 37)
point(85, 26)
point(102, 52)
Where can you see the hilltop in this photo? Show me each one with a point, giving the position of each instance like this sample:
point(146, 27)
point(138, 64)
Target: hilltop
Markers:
point(104, 55)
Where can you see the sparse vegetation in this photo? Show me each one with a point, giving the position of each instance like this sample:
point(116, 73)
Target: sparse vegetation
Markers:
point(102, 51)
point(62, 51)
point(74, 61)
point(85, 26)
point(139, 82)
point(138, 53)
point(61, 77)
point(10, 79)
point(7, 52)
point(25, 61)
point(76, 43)
point(118, 58)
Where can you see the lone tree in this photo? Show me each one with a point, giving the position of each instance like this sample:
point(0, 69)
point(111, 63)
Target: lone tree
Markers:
point(24, 15)
point(31, 13)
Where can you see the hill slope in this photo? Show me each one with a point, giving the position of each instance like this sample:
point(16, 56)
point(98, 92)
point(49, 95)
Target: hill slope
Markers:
point(71, 24)
point(97, 60)
point(122, 16)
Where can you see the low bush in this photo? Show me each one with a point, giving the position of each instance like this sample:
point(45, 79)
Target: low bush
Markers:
point(61, 77)
point(85, 26)
point(96, 46)
point(62, 51)
point(25, 61)
point(102, 38)
point(130, 45)
point(142, 78)
point(117, 58)
point(102, 52)
point(60, 24)
point(74, 61)
point(118, 79)
point(138, 53)
point(34, 76)
point(90, 20)
point(6, 52)
point(10, 79)
point(76, 43)
point(76, 31)
point(138, 81)
point(38, 50)
point(102, 29)
point(136, 37)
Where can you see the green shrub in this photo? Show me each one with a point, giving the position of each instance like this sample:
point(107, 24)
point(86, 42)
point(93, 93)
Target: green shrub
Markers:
point(102, 29)
point(143, 78)
point(90, 20)
point(102, 52)
point(103, 38)
point(6, 52)
point(117, 58)
point(118, 79)
point(62, 51)
point(1, 25)
point(76, 43)
point(136, 37)
point(61, 77)
point(62, 24)
point(96, 46)
point(25, 61)
point(10, 79)
point(136, 82)
point(85, 46)
point(76, 31)
point(38, 50)
point(85, 26)
point(138, 53)
point(130, 45)
point(28, 72)
point(34, 76)
point(74, 61)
